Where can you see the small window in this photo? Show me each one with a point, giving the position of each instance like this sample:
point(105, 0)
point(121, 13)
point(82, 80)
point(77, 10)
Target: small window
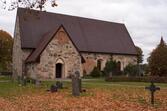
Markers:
point(99, 64)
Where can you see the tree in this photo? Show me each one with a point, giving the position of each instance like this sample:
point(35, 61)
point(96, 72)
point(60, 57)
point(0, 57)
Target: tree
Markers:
point(6, 43)
point(95, 72)
point(111, 66)
point(38, 4)
point(157, 60)
point(131, 70)
point(144, 69)
point(140, 54)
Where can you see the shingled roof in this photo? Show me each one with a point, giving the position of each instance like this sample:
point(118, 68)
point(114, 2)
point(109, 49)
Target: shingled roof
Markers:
point(89, 35)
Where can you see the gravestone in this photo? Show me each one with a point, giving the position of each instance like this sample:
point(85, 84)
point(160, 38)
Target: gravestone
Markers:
point(53, 88)
point(59, 85)
point(24, 81)
point(76, 85)
point(37, 82)
point(152, 89)
point(110, 75)
point(80, 85)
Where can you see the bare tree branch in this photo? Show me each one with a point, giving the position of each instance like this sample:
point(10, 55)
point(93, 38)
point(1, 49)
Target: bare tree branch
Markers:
point(37, 4)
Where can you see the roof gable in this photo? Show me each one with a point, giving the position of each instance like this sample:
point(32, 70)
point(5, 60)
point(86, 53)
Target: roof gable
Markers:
point(47, 38)
point(89, 35)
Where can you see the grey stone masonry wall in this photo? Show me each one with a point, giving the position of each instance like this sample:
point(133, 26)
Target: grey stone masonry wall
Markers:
point(125, 60)
point(59, 50)
point(91, 61)
point(19, 55)
point(92, 58)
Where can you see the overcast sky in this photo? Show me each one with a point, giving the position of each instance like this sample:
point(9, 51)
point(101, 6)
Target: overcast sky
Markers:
point(146, 20)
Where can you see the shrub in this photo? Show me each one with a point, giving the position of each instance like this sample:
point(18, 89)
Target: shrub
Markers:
point(95, 72)
point(87, 76)
point(110, 67)
point(131, 70)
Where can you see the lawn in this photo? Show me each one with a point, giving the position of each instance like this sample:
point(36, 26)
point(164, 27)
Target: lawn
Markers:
point(99, 96)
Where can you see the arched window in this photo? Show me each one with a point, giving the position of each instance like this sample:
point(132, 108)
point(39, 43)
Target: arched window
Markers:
point(99, 64)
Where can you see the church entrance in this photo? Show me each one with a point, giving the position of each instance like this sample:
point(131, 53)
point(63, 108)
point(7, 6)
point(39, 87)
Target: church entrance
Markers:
point(59, 70)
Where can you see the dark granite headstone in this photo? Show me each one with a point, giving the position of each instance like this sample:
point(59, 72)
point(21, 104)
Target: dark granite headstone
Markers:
point(59, 85)
point(76, 84)
point(53, 88)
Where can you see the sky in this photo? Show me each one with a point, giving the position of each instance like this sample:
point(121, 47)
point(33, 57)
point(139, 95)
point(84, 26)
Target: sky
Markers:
point(146, 20)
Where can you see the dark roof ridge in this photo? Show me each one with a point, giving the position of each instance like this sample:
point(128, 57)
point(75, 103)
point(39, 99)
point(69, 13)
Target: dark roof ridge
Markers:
point(100, 20)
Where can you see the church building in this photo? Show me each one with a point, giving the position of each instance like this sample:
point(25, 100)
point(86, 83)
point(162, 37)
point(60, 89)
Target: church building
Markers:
point(50, 45)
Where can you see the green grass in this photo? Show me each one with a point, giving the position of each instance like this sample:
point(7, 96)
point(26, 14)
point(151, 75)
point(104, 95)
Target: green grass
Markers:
point(4, 78)
point(102, 83)
point(9, 89)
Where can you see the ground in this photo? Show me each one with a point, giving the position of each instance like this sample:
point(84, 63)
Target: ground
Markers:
point(99, 96)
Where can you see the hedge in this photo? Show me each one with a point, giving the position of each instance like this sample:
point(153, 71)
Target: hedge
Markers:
point(137, 79)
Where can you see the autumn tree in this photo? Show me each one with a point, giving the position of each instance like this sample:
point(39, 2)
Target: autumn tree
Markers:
point(158, 60)
point(37, 4)
point(6, 43)
point(140, 54)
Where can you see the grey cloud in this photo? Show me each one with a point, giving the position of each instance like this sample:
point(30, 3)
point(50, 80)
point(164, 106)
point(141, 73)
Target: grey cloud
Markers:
point(146, 20)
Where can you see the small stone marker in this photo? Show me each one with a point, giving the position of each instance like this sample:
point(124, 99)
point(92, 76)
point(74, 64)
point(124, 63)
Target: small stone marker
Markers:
point(76, 84)
point(37, 82)
point(56, 86)
point(53, 88)
point(59, 85)
point(152, 89)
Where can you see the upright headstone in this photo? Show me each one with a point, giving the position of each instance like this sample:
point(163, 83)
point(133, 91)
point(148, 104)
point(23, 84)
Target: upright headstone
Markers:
point(110, 75)
point(23, 77)
point(76, 84)
point(37, 82)
point(80, 85)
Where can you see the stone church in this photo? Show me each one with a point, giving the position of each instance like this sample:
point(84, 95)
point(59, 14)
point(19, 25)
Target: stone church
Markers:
point(50, 45)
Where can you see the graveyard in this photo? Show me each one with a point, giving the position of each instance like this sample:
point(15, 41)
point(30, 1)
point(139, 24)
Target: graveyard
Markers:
point(98, 95)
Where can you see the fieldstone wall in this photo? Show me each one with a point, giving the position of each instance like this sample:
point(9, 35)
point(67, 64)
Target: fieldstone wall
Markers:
point(91, 61)
point(19, 55)
point(59, 50)
point(92, 58)
point(125, 60)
